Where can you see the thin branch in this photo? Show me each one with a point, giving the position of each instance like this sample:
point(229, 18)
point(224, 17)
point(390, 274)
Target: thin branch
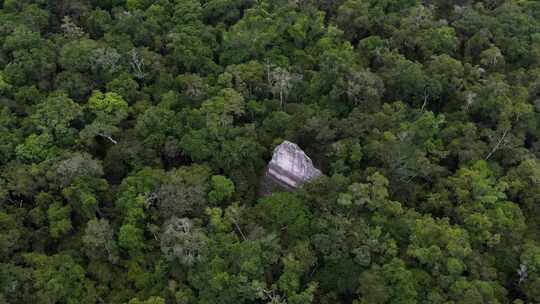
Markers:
point(240, 230)
point(425, 102)
point(497, 146)
point(426, 99)
point(108, 137)
point(137, 63)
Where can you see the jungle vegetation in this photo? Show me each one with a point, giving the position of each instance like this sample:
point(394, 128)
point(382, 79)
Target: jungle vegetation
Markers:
point(133, 134)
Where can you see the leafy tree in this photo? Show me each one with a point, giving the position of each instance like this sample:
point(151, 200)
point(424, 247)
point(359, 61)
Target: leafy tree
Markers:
point(447, 76)
point(421, 35)
point(60, 278)
point(360, 88)
point(75, 84)
point(55, 115)
point(528, 270)
point(404, 79)
point(188, 52)
point(10, 135)
point(131, 238)
point(220, 110)
point(222, 188)
point(73, 167)
point(78, 55)
point(109, 110)
point(439, 247)
point(36, 148)
point(250, 79)
point(33, 59)
point(108, 105)
point(282, 82)
point(125, 86)
point(521, 189)
point(59, 220)
point(17, 284)
point(157, 127)
point(98, 235)
point(284, 213)
point(11, 234)
point(185, 193)
point(391, 283)
point(183, 242)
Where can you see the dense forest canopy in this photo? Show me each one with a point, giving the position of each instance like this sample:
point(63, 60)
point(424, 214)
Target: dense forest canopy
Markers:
point(133, 135)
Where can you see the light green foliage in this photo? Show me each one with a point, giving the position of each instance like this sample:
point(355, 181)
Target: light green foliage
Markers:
point(522, 182)
point(249, 78)
point(60, 278)
point(492, 57)
point(437, 245)
point(483, 208)
point(110, 104)
point(131, 238)
point(423, 35)
point(222, 188)
point(220, 110)
point(5, 87)
point(447, 76)
point(296, 263)
point(391, 283)
point(133, 193)
point(55, 115)
point(125, 86)
point(284, 212)
point(348, 154)
point(59, 220)
point(36, 148)
point(157, 125)
point(109, 110)
point(83, 198)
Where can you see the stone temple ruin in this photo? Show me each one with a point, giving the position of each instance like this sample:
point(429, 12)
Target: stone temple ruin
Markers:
point(289, 168)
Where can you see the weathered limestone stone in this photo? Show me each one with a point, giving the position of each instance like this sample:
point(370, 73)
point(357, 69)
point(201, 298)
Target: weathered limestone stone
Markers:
point(289, 168)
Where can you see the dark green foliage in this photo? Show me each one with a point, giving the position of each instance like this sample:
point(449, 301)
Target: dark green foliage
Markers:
point(134, 134)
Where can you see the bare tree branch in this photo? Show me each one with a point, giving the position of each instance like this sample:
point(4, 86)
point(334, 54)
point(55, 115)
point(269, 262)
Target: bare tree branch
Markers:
point(498, 145)
point(108, 137)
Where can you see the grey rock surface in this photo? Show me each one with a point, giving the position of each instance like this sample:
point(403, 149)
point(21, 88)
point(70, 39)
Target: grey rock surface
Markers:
point(289, 168)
